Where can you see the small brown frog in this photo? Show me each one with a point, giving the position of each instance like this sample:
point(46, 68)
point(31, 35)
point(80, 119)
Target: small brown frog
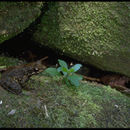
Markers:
point(14, 78)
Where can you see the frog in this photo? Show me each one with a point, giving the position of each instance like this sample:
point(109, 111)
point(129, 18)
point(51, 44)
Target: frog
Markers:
point(13, 79)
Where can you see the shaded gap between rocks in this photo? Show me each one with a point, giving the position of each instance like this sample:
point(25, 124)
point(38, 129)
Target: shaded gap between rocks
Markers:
point(27, 50)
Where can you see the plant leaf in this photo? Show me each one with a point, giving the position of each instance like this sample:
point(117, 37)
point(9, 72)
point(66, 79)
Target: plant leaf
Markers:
point(59, 69)
point(71, 70)
point(74, 82)
point(52, 71)
point(76, 67)
point(74, 79)
point(67, 81)
point(64, 73)
point(63, 63)
point(64, 69)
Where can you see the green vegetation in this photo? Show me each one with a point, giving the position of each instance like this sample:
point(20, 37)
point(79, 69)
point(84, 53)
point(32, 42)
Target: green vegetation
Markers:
point(46, 101)
point(69, 75)
point(51, 104)
point(10, 61)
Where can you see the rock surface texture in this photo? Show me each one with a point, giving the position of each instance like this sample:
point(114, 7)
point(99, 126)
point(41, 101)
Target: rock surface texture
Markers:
point(16, 16)
point(92, 32)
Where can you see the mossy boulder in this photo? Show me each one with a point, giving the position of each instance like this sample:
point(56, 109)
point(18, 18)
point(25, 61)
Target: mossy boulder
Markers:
point(97, 33)
point(47, 102)
point(16, 16)
point(52, 104)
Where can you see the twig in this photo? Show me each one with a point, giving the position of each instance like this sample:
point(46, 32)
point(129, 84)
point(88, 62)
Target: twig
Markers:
point(46, 57)
point(46, 111)
point(91, 79)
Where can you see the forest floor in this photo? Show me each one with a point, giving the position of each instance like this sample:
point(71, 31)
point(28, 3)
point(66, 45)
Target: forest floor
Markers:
point(52, 104)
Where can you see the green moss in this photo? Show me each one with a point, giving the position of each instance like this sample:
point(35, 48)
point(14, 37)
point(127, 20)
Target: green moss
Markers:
point(94, 32)
point(9, 61)
point(16, 16)
point(89, 106)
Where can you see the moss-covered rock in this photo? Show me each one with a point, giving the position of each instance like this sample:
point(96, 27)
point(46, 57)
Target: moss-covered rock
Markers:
point(16, 16)
point(10, 61)
point(49, 103)
point(92, 32)
point(52, 104)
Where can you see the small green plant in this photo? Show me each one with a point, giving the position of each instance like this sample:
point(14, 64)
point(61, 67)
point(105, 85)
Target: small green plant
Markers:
point(69, 76)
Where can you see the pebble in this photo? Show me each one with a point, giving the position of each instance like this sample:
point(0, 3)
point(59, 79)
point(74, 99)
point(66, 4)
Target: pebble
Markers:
point(0, 102)
point(12, 112)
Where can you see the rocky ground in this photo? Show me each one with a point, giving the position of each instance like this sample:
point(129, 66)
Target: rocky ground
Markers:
point(51, 103)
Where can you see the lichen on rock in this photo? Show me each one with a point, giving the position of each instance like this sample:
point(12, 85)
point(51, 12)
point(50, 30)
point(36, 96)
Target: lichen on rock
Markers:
point(92, 32)
point(16, 16)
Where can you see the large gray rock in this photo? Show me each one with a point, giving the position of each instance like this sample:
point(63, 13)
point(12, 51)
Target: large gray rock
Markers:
point(16, 16)
point(97, 33)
